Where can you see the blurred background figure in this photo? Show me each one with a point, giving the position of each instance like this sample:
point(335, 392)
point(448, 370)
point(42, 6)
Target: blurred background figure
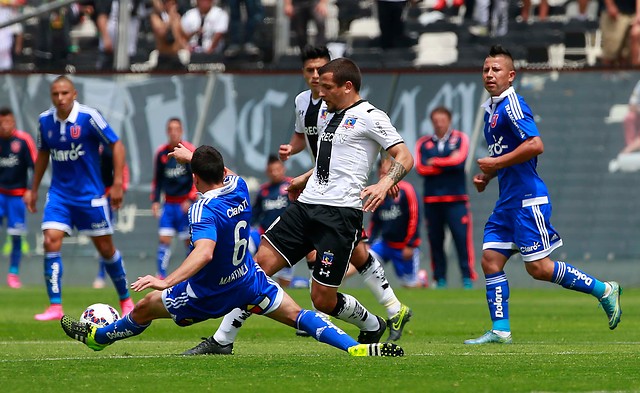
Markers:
point(392, 26)
point(17, 157)
point(11, 37)
point(301, 12)
point(107, 24)
point(171, 45)
point(440, 160)
point(620, 33)
point(242, 34)
point(205, 27)
point(54, 38)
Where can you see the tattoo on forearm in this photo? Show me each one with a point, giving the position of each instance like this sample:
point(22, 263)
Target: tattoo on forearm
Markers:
point(396, 172)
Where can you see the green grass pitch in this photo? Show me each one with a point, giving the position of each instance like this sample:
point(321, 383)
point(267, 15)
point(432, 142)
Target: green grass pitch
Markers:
point(561, 344)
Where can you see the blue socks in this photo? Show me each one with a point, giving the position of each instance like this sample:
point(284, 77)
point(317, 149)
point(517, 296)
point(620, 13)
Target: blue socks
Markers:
point(498, 300)
point(122, 328)
point(323, 330)
point(53, 276)
point(164, 255)
point(16, 254)
point(571, 278)
point(115, 270)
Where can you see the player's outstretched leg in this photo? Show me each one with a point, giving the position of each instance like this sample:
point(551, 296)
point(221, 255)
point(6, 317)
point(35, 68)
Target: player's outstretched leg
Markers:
point(611, 304)
point(81, 331)
point(497, 287)
point(325, 331)
point(98, 338)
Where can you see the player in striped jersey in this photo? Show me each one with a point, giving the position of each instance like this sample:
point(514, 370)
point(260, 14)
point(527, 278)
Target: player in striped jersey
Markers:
point(17, 155)
point(70, 135)
point(219, 274)
point(520, 221)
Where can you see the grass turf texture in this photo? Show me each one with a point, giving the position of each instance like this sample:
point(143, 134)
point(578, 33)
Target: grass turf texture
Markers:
point(561, 343)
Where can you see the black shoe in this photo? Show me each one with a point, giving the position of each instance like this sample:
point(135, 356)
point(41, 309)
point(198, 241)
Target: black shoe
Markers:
point(373, 337)
point(397, 322)
point(302, 333)
point(209, 346)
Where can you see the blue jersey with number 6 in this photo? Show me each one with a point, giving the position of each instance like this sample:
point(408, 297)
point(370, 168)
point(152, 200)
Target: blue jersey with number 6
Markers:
point(223, 215)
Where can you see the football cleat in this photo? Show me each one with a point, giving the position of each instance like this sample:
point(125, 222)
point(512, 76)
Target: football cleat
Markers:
point(52, 313)
point(13, 280)
point(372, 337)
point(82, 331)
point(209, 346)
point(302, 333)
point(490, 338)
point(377, 349)
point(397, 322)
point(611, 304)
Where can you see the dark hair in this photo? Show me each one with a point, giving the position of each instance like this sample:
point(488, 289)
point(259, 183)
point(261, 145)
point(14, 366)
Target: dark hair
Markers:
point(441, 109)
point(499, 50)
point(314, 52)
point(174, 119)
point(63, 78)
point(208, 164)
point(344, 70)
point(272, 158)
point(5, 111)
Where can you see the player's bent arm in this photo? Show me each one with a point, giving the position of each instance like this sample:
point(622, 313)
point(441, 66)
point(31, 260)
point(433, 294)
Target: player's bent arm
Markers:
point(197, 259)
point(181, 154)
point(527, 150)
point(116, 191)
point(402, 164)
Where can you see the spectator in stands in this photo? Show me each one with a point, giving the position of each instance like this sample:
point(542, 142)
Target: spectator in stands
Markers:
point(441, 5)
point(171, 45)
point(620, 33)
point(391, 22)
point(348, 10)
point(205, 27)
point(107, 15)
point(491, 17)
point(624, 161)
point(543, 10)
point(9, 11)
point(255, 18)
point(54, 39)
point(301, 12)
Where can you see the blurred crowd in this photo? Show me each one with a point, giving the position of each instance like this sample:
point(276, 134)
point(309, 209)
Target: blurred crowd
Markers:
point(170, 34)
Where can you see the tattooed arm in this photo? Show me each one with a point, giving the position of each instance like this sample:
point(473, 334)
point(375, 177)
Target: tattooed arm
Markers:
point(374, 194)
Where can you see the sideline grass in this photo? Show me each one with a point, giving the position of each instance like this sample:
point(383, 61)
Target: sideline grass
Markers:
point(561, 343)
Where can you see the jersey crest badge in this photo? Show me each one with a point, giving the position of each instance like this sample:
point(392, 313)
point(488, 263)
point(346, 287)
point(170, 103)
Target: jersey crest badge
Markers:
point(323, 113)
point(494, 120)
point(349, 122)
point(327, 258)
point(75, 131)
point(15, 147)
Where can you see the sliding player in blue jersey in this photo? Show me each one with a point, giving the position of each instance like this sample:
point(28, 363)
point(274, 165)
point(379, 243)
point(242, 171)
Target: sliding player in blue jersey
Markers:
point(218, 275)
point(70, 135)
point(17, 155)
point(520, 221)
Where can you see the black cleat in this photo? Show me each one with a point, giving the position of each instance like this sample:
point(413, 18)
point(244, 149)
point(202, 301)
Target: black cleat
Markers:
point(209, 346)
point(372, 337)
point(397, 322)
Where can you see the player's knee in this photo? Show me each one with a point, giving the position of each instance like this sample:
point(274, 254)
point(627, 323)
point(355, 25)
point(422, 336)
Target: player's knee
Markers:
point(324, 303)
point(52, 243)
point(540, 270)
point(141, 313)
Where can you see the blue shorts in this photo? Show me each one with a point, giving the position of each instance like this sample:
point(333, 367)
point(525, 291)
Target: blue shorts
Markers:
point(174, 220)
point(12, 207)
point(91, 218)
point(406, 270)
point(260, 295)
point(526, 230)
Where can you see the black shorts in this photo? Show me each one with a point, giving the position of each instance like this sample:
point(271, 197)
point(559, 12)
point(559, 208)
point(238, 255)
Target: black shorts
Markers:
point(332, 231)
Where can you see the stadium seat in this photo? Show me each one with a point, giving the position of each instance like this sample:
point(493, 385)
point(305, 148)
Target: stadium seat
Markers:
point(436, 49)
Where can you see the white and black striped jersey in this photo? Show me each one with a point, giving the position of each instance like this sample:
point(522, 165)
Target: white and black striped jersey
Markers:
point(310, 116)
point(348, 147)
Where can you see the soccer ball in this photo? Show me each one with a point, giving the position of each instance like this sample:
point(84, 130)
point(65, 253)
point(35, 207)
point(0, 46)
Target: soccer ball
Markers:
point(100, 314)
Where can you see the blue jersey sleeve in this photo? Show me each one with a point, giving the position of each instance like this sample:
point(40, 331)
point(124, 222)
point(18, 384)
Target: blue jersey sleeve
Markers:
point(522, 123)
point(203, 226)
point(101, 127)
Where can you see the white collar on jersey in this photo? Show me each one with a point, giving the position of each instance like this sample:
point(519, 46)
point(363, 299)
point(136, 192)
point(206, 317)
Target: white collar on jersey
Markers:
point(230, 183)
point(73, 115)
point(444, 137)
point(496, 100)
